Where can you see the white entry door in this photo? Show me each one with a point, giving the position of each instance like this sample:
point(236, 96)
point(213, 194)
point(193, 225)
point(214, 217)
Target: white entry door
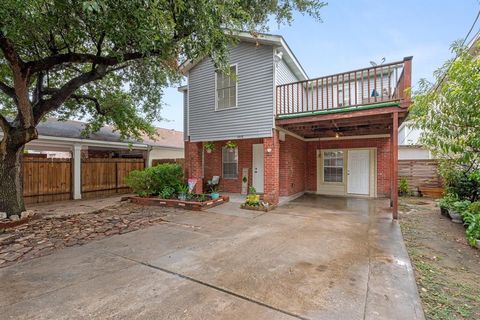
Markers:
point(257, 165)
point(358, 181)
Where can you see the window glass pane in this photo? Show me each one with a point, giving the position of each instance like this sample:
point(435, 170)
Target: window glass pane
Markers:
point(230, 163)
point(333, 166)
point(226, 89)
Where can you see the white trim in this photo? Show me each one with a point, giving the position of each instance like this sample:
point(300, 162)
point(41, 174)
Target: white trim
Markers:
point(236, 90)
point(93, 142)
point(290, 133)
point(77, 171)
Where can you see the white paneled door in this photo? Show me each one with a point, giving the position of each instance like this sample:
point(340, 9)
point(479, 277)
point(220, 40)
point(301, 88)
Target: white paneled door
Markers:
point(358, 172)
point(257, 175)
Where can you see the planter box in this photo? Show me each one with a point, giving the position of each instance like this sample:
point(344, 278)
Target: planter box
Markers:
point(444, 212)
point(456, 217)
point(175, 203)
point(257, 208)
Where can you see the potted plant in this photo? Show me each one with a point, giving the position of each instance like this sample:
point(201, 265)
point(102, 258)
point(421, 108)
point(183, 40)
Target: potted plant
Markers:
point(446, 204)
point(403, 187)
point(458, 209)
point(252, 196)
point(182, 192)
point(214, 192)
point(209, 146)
point(230, 145)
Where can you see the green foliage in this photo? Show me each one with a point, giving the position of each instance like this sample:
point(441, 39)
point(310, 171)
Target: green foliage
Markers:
point(449, 118)
point(461, 206)
point(448, 200)
point(137, 44)
point(167, 192)
point(210, 146)
point(165, 178)
point(473, 228)
point(474, 208)
point(403, 186)
point(213, 188)
point(231, 145)
point(183, 188)
point(141, 182)
point(460, 180)
point(252, 190)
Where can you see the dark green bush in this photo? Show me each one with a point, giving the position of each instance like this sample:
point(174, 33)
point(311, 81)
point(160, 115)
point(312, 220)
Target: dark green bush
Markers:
point(461, 180)
point(166, 177)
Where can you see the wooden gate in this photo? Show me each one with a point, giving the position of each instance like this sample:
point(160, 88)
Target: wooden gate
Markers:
point(103, 177)
point(420, 173)
point(46, 180)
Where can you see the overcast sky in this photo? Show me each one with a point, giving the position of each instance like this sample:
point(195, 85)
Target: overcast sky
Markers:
point(355, 32)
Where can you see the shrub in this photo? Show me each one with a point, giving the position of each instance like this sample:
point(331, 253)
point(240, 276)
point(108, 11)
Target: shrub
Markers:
point(141, 182)
point(461, 180)
point(154, 180)
point(403, 186)
point(448, 200)
point(167, 192)
point(474, 207)
point(461, 207)
point(473, 229)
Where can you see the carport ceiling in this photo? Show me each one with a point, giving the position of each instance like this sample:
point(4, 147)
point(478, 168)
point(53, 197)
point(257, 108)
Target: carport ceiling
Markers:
point(367, 125)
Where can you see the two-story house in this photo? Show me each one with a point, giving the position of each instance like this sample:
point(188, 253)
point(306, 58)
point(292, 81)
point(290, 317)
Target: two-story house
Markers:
point(332, 135)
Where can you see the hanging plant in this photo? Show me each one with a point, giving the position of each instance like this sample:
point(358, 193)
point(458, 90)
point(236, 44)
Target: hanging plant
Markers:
point(209, 146)
point(230, 145)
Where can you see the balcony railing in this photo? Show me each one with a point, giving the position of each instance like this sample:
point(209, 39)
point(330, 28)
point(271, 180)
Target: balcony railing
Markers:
point(378, 84)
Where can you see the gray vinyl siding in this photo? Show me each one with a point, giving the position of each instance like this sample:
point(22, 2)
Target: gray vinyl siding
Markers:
point(284, 74)
point(185, 115)
point(253, 116)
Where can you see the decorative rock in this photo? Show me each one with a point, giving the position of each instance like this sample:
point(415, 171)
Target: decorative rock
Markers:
point(3, 215)
point(14, 217)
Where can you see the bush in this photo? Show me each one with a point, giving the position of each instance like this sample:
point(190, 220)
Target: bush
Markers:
point(473, 228)
point(448, 200)
point(461, 207)
point(461, 180)
point(166, 178)
point(403, 186)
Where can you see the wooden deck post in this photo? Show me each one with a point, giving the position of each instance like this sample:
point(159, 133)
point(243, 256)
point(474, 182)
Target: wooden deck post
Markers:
point(394, 148)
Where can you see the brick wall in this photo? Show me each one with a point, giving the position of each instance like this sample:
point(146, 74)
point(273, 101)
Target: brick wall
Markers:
point(213, 164)
point(383, 160)
point(193, 163)
point(272, 168)
point(293, 155)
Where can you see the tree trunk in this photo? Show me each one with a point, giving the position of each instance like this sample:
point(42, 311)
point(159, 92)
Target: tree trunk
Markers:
point(11, 184)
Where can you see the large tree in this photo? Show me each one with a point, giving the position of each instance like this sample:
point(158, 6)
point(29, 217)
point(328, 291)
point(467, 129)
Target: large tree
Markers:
point(448, 113)
point(108, 61)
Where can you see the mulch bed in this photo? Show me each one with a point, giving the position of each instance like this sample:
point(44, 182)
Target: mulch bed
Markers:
point(43, 236)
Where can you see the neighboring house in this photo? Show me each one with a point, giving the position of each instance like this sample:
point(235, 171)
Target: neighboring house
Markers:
point(64, 139)
point(333, 135)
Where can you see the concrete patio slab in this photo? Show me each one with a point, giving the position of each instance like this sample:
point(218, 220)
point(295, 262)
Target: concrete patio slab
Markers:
point(314, 258)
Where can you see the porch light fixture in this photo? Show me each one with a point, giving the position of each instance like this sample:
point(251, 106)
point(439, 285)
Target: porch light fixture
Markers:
point(269, 150)
point(337, 135)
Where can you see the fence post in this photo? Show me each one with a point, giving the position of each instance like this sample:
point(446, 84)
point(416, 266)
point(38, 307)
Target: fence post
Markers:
point(77, 171)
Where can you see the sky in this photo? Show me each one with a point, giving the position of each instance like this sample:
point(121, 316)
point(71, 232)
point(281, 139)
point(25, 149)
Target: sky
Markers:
point(355, 32)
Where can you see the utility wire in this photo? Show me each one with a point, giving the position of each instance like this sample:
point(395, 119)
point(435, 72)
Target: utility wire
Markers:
point(463, 43)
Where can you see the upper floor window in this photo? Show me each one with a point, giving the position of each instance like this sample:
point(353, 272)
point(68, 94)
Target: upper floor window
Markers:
point(226, 89)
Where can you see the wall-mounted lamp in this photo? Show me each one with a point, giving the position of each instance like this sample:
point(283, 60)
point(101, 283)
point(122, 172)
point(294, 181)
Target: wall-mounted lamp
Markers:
point(269, 150)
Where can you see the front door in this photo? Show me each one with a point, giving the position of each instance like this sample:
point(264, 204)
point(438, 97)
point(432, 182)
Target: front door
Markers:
point(358, 172)
point(257, 165)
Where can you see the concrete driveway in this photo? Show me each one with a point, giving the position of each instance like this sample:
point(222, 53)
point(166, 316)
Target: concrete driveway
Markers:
point(314, 258)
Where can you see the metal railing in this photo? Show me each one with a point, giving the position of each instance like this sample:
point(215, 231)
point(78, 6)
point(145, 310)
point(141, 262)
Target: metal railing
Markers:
point(377, 84)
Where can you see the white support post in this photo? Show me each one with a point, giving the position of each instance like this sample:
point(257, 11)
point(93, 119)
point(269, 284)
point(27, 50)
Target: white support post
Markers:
point(77, 171)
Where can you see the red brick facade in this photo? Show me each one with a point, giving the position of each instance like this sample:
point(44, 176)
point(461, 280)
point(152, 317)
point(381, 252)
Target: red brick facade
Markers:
point(290, 166)
point(293, 169)
point(384, 158)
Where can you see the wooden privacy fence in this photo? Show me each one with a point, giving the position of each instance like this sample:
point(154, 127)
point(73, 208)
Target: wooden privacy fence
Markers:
point(420, 173)
point(101, 177)
point(46, 180)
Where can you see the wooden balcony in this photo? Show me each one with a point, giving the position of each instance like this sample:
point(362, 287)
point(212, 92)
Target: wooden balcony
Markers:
point(373, 87)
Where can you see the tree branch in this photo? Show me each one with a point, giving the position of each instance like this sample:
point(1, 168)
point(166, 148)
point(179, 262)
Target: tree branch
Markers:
point(49, 62)
point(9, 52)
point(9, 91)
point(59, 97)
point(78, 97)
point(6, 126)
